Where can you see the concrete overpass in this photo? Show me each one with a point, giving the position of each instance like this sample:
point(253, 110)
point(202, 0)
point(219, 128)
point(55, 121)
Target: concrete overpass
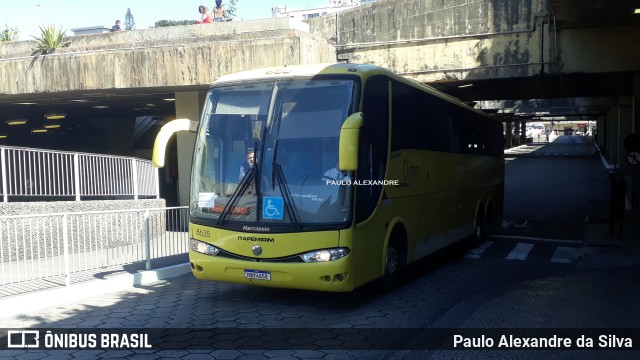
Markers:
point(115, 88)
point(520, 59)
point(517, 58)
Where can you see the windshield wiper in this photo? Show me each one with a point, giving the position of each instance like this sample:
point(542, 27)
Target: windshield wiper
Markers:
point(235, 197)
point(283, 186)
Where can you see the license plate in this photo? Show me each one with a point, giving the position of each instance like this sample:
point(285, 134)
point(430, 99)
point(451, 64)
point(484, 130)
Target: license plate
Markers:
point(258, 275)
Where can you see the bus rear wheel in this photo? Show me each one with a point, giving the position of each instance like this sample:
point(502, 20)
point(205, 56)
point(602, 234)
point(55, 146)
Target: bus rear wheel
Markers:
point(480, 230)
point(391, 265)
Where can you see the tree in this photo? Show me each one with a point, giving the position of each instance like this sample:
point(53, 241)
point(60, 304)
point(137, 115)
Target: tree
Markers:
point(51, 39)
point(167, 23)
point(232, 8)
point(129, 23)
point(9, 33)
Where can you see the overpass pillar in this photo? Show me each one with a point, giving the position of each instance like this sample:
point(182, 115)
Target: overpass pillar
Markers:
point(614, 134)
point(599, 135)
point(635, 179)
point(188, 105)
point(613, 125)
point(508, 134)
point(516, 133)
point(625, 127)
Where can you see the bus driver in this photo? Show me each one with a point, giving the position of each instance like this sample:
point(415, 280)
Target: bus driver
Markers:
point(247, 165)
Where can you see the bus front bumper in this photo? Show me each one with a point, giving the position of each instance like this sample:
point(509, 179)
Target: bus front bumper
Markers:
point(333, 276)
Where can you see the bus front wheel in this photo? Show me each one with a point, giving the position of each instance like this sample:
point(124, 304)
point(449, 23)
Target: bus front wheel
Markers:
point(391, 266)
point(395, 259)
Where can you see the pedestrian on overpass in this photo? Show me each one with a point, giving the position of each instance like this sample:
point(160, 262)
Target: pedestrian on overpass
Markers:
point(219, 13)
point(116, 26)
point(205, 15)
point(616, 202)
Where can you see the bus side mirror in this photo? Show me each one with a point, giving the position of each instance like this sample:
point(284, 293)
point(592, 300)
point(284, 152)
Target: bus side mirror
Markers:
point(348, 147)
point(167, 130)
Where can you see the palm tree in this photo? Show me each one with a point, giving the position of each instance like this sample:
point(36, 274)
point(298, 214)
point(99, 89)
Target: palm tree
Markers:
point(9, 33)
point(50, 39)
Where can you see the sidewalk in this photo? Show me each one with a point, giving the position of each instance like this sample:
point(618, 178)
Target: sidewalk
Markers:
point(562, 190)
point(29, 302)
point(602, 251)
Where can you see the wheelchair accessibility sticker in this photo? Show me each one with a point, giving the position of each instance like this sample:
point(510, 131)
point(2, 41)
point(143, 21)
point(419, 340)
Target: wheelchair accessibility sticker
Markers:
point(272, 208)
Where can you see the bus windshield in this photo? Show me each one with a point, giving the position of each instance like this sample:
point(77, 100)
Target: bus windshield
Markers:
point(267, 153)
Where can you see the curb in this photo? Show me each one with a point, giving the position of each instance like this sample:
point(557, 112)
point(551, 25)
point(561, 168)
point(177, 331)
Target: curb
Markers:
point(27, 303)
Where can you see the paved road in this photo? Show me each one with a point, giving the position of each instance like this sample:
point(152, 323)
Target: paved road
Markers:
point(517, 279)
point(441, 292)
point(550, 189)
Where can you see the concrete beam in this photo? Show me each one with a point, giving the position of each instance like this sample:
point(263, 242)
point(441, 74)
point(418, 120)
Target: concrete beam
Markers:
point(434, 40)
point(171, 62)
point(589, 50)
point(155, 37)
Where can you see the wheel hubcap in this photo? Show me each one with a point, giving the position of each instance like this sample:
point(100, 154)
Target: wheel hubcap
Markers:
point(392, 261)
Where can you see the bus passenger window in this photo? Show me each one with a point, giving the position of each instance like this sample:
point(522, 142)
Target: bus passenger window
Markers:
point(373, 147)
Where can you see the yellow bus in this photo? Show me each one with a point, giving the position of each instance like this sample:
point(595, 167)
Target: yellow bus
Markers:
point(327, 177)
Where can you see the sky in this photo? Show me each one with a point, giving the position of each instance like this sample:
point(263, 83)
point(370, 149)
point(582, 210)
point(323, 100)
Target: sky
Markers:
point(28, 15)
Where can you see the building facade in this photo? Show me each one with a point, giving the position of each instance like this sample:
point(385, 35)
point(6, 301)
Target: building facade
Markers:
point(332, 6)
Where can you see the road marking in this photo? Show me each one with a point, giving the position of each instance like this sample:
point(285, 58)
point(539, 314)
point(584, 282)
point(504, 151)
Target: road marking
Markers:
point(520, 252)
point(536, 239)
point(564, 255)
point(477, 252)
point(522, 224)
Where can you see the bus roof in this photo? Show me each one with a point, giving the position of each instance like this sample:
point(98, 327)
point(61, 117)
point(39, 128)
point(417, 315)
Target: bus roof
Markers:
point(362, 70)
point(297, 71)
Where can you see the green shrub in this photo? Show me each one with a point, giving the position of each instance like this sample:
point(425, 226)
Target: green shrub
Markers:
point(50, 39)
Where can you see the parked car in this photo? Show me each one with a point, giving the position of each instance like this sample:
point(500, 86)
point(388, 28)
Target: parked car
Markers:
point(535, 130)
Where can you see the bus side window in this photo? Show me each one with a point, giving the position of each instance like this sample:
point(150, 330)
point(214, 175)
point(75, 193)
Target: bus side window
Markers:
point(373, 147)
point(420, 120)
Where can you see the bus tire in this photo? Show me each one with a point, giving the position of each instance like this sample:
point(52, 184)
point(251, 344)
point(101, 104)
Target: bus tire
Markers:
point(394, 262)
point(480, 229)
point(389, 278)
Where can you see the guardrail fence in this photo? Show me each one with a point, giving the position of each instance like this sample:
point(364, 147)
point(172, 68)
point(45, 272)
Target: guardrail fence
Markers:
point(48, 173)
point(56, 246)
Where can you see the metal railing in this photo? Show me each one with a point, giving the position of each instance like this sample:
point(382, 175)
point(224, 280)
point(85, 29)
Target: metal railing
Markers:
point(49, 173)
point(56, 246)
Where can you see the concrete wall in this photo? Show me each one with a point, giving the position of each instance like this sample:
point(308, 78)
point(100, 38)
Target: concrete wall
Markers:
point(420, 19)
point(155, 37)
point(600, 49)
point(433, 40)
point(177, 56)
point(619, 124)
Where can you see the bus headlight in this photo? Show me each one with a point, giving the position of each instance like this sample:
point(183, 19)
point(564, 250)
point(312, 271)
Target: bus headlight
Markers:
point(325, 255)
point(203, 247)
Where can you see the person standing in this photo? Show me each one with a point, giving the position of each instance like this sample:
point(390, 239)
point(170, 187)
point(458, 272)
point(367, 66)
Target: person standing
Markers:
point(219, 14)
